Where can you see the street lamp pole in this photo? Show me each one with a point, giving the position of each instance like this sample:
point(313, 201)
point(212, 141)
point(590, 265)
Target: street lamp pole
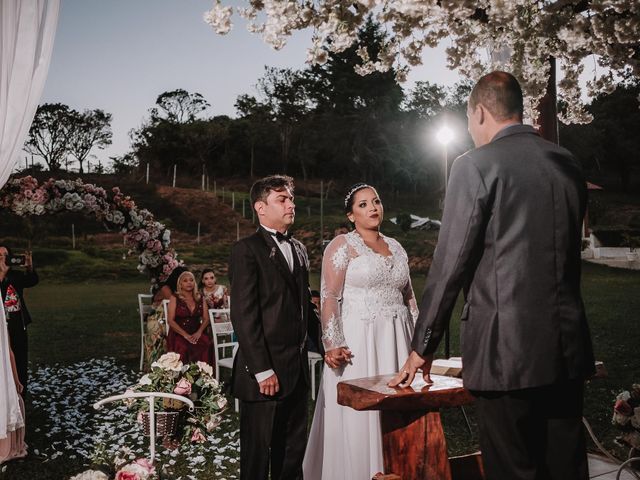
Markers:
point(444, 136)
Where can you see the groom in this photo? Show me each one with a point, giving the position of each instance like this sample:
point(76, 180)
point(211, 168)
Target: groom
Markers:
point(511, 240)
point(270, 308)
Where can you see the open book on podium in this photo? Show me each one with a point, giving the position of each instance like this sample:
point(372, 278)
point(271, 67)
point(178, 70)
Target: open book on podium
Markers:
point(448, 367)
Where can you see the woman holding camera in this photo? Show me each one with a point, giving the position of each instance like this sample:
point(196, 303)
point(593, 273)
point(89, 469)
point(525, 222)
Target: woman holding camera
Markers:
point(12, 285)
point(11, 385)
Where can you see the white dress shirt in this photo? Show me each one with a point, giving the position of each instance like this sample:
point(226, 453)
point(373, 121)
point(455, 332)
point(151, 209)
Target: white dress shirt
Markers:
point(285, 248)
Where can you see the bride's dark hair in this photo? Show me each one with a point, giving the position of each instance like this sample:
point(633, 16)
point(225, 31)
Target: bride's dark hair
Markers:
point(348, 199)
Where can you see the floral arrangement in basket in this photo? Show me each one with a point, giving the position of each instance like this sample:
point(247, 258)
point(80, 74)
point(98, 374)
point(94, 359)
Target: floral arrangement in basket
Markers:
point(194, 381)
point(144, 235)
point(140, 469)
point(626, 415)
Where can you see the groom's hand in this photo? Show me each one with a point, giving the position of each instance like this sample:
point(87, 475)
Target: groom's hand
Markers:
point(269, 386)
point(408, 371)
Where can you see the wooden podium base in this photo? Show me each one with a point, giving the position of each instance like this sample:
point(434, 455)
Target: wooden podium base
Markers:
point(414, 446)
point(413, 440)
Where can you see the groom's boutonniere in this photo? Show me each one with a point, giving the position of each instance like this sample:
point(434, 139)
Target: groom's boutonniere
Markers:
point(273, 252)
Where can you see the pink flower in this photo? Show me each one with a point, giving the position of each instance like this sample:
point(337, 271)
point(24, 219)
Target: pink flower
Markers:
point(623, 408)
point(123, 475)
point(183, 387)
point(197, 436)
point(146, 464)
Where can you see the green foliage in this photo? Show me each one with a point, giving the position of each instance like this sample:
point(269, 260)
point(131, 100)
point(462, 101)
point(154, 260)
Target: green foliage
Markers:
point(609, 145)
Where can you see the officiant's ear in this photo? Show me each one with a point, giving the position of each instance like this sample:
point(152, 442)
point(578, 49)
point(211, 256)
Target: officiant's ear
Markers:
point(481, 113)
point(259, 207)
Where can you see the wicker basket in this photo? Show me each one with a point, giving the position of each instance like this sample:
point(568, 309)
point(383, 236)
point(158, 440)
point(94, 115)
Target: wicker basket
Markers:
point(166, 423)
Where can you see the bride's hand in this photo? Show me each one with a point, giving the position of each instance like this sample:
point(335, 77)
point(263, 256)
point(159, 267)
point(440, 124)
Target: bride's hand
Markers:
point(337, 356)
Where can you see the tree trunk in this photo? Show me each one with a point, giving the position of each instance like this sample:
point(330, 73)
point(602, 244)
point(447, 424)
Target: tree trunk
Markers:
point(548, 108)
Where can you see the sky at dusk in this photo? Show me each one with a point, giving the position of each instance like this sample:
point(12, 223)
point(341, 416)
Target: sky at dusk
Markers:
point(119, 55)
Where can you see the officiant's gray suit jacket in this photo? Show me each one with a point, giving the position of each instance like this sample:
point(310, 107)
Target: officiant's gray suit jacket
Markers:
point(511, 240)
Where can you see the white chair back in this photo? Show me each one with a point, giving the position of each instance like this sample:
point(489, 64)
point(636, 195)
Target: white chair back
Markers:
point(165, 308)
point(144, 308)
point(224, 348)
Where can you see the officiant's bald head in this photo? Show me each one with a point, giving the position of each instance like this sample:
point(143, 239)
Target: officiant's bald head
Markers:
point(495, 103)
point(500, 93)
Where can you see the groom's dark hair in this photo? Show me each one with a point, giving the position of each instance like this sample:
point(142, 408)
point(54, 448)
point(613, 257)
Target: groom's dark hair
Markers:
point(261, 188)
point(500, 93)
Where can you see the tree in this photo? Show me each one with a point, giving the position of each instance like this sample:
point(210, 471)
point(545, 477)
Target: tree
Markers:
point(49, 134)
point(285, 97)
point(521, 36)
point(179, 106)
point(254, 123)
point(426, 99)
point(88, 130)
point(610, 143)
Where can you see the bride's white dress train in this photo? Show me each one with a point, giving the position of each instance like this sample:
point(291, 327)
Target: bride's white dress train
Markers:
point(367, 305)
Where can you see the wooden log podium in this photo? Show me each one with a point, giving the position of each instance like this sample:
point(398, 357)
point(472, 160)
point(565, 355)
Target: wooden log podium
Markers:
point(414, 445)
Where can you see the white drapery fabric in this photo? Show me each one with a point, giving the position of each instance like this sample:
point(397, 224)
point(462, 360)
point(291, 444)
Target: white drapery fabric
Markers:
point(10, 415)
point(27, 31)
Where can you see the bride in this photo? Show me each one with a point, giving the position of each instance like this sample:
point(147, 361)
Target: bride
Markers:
point(11, 406)
point(368, 312)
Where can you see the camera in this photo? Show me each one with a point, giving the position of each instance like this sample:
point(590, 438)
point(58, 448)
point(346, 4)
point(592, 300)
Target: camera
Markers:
point(17, 260)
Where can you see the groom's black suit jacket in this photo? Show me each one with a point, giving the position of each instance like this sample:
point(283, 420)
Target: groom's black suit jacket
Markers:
point(270, 310)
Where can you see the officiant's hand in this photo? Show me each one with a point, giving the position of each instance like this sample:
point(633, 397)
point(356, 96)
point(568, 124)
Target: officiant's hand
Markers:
point(408, 371)
point(337, 356)
point(269, 386)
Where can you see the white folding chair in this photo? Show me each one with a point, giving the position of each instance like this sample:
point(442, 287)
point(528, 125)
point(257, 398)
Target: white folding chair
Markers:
point(224, 348)
point(165, 308)
point(144, 308)
point(314, 358)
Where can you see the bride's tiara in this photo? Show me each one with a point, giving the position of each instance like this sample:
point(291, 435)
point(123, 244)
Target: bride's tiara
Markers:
point(355, 188)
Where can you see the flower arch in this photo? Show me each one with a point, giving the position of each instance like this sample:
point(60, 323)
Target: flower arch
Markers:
point(142, 233)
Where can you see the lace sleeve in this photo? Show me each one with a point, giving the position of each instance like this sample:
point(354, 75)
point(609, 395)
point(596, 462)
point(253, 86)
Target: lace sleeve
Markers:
point(410, 301)
point(334, 268)
point(407, 292)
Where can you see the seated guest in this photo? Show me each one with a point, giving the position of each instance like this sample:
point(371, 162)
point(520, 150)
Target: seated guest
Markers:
point(188, 322)
point(215, 295)
point(155, 332)
point(171, 283)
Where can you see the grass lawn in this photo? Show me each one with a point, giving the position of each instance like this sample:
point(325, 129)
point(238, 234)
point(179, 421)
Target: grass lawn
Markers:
point(77, 322)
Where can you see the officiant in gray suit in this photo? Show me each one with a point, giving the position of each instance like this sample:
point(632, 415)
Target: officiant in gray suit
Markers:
point(511, 241)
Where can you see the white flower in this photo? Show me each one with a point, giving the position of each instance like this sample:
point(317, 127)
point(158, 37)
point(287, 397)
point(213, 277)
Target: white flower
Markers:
point(219, 18)
point(90, 475)
point(222, 402)
point(139, 470)
point(205, 368)
point(145, 380)
point(213, 423)
point(635, 420)
point(128, 401)
point(169, 361)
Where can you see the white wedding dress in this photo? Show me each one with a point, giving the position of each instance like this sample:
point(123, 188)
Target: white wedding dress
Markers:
point(367, 305)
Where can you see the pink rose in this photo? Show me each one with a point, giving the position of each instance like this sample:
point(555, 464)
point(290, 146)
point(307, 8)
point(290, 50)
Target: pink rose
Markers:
point(197, 436)
point(183, 387)
point(146, 464)
point(623, 408)
point(123, 475)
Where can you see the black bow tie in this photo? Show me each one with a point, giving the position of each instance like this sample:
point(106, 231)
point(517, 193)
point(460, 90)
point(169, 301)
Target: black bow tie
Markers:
point(282, 237)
